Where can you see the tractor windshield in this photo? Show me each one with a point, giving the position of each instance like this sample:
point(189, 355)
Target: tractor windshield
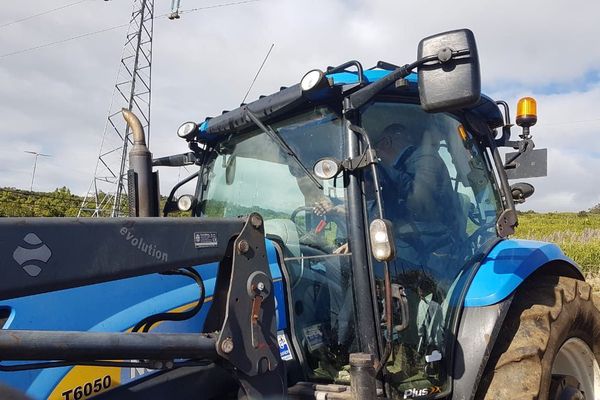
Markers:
point(253, 173)
point(438, 190)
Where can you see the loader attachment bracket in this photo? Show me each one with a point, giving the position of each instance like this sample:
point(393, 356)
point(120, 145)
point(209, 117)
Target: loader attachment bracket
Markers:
point(248, 336)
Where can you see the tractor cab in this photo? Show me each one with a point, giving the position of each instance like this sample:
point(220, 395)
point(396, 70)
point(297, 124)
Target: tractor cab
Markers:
point(381, 201)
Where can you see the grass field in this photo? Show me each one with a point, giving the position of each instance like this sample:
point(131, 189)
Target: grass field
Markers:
point(578, 235)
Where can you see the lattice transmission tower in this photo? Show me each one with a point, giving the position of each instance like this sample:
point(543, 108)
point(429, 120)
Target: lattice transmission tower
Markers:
point(107, 194)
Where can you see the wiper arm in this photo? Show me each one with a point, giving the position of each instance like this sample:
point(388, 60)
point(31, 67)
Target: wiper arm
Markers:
point(277, 139)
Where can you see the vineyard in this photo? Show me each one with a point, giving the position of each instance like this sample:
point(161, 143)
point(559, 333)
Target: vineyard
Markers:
point(577, 234)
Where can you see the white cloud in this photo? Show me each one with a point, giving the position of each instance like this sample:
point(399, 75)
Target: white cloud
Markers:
point(569, 126)
point(55, 99)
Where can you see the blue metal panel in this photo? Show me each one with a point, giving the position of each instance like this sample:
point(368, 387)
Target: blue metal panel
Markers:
point(371, 75)
point(115, 307)
point(507, 265)
point(279, 291)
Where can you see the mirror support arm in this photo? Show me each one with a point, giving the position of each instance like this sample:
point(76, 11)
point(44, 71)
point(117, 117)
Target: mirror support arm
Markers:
point(507, 221)
point(166, 208)
point(362, 96)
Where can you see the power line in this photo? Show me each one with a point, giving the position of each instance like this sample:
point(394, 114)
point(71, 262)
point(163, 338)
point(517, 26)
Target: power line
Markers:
point(215, 6)
point(84, 35)
point(14, 53)
point(581, 121)
point(41, 13)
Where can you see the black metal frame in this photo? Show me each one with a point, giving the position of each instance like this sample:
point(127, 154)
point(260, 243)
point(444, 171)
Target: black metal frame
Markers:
point(362, 271)
point(109, 248)
point(243, 336)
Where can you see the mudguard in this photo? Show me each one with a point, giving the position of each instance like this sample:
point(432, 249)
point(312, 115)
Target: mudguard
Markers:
point(488, 300)
point(508, 264)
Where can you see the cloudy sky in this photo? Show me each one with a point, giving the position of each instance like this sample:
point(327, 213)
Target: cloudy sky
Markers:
point(55, 99)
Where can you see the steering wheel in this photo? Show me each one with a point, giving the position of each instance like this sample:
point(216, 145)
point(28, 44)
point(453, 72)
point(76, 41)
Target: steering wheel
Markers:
point(475, 216)
point(314, 238)
point(307, 209)
point(478, 233)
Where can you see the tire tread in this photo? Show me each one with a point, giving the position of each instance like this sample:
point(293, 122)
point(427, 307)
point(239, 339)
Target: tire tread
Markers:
point(544, 312)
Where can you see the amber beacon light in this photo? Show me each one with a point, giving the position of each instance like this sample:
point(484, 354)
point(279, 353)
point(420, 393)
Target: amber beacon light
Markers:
point(526, 112)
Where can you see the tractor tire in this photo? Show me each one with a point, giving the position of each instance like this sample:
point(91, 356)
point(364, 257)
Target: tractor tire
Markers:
point(552, 328)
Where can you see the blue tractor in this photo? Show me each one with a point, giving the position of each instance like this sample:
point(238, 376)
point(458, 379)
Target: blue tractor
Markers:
point(348, 238)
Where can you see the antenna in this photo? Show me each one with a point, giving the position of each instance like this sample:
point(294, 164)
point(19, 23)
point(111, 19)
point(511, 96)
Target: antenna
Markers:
point(36, 154)
point(258, 72)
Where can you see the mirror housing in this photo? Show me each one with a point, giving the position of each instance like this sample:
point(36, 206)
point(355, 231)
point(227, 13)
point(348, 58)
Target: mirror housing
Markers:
point(521, 191)
point(449, 78)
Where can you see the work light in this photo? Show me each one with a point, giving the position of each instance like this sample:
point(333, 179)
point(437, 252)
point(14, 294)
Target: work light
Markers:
point(185, 202)
point(382, 240)
point(312, 79)
point(326, 168)
point(187, 130)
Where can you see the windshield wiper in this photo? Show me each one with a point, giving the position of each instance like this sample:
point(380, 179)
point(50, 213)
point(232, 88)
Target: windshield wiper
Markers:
point(282, 144)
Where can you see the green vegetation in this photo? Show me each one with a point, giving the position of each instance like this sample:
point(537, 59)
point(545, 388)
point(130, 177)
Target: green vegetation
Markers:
point(220, 209)
point(22, 203)
point(577, 234)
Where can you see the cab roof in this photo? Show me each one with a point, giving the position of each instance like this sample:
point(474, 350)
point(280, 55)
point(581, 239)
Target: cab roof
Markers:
point(289, 99)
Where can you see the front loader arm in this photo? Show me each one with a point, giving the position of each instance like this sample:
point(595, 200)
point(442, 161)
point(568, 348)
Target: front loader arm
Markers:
point(42, 255)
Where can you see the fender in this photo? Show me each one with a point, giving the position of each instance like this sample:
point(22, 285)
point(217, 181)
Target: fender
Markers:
point(507, 266)
point(488, 300)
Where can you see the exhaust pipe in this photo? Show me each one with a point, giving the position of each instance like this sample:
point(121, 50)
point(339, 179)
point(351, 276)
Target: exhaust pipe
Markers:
point(141, 181)
point(137, 131)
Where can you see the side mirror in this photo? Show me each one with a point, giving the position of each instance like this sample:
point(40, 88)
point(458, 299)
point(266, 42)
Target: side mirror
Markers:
point(449, 76)
point(520, 191)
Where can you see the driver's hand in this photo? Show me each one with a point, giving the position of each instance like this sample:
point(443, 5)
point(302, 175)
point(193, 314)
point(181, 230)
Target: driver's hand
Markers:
point(343, 249)
point(323, 207)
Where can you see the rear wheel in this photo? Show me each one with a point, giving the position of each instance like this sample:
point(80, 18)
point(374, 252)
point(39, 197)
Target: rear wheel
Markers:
point(549, 345)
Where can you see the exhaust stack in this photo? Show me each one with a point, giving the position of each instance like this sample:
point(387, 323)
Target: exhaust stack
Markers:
point(141, 181)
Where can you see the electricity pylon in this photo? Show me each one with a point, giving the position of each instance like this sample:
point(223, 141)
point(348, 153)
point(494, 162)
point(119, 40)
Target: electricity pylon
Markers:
point(107, 194)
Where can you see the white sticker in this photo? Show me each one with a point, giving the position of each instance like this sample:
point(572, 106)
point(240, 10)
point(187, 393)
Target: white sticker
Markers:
point(314, 337)
point(433, 357)
point(205, 239)
point(284, 348)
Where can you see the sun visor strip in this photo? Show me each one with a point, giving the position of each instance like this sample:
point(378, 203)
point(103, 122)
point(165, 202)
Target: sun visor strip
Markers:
point(266, 107)
point(276, 104)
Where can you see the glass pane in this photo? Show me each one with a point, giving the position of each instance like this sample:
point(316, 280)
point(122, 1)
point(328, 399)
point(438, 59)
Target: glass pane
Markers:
point(252, 172)
point(438, 193)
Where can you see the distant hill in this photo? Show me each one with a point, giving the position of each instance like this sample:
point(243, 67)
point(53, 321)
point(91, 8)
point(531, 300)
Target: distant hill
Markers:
point(59, 203)
point(23, 203)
